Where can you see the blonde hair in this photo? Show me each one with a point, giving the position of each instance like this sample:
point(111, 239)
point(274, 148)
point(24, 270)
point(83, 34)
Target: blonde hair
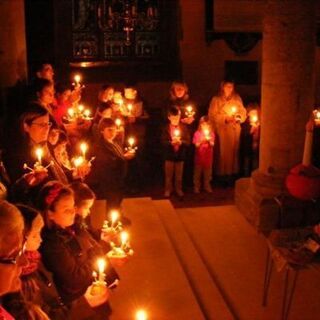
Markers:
point(11, 221)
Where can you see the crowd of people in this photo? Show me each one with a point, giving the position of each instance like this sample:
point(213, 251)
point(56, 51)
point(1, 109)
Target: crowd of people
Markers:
point(61, 157)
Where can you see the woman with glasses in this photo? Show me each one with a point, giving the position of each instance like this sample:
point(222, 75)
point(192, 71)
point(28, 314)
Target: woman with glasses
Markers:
point(30, 148)
point(11, 252)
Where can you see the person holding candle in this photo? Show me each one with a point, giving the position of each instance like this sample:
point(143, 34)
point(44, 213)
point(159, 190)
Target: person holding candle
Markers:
point(179, 97)
point(175, 139)
point(67, 242)
point(108, 173)
point(226, 113)
point(35, 125)
point(63, 102)
point(249, 140)
point(203, 139)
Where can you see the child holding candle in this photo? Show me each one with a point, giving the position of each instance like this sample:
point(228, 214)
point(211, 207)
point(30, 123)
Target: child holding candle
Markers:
point(175, 139)
point(110, 166)
point(203, 139)
point(67, 242)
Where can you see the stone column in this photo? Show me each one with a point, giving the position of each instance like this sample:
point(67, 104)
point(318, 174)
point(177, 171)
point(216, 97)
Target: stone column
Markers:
point(13, 56)
point(288, 91)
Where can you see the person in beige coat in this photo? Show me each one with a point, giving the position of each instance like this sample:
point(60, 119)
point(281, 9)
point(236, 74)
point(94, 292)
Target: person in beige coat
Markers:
point(226, 113)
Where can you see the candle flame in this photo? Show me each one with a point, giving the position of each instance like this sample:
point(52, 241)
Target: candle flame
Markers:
point(124, 237)
point(87, 113)
point(141, 315)
point(78, 161)
point(71, 112)
point(189, 108)
point(114, 216)
point(80, 107)
point(118, 122)
point(83, 147)
point(39, 154)
point(77, 78)
point(101, 262)
point(254, 118)
point(206, 132)
point(233, 109)
point(131, 141)
point(130, 107)
point(318, 114)
point(176, 133)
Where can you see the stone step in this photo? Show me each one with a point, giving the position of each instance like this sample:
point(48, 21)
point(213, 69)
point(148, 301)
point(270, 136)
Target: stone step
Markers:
point(153, 278)
point(205, 289)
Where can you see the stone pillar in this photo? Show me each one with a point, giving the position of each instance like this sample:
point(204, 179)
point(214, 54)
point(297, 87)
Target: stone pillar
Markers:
point(288, 91)
point(13, 56)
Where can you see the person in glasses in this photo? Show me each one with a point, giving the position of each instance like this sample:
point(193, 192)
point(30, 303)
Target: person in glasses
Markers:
point(11, 252)
point(35, 125)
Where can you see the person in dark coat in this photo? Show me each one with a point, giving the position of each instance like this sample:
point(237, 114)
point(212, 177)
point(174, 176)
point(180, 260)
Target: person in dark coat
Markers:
point(69, 252)
point(109, 169)
point(175, 142)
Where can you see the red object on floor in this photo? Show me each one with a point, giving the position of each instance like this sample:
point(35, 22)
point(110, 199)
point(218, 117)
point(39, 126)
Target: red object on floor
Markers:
point(303, 182)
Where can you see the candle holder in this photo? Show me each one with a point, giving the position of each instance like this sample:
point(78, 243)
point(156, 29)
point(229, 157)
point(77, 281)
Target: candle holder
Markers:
point(76, 114)
point(131, 146)
point(99, 281)
point(122, 251)
point(114, 226)
point(37, 167)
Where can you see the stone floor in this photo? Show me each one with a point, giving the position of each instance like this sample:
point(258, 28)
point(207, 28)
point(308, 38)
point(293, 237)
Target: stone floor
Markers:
point(202, 263)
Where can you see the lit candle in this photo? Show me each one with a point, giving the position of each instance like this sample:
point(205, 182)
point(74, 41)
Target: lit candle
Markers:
point(71, 112)
point(233, 110)
point(39, 154)
point(131, 142)
point(118, 123)
point(87, 113)
point(101, 268)
point(80, 107)
point(77, 79)
point(176, 133)
point(189, 111)
point(83, 148)
point(120, 103)
point(130, 107)
point(141, 315)
point(206, 133)
point(316, 114)
point(114, 217)
point(124, 236)
point(78, 161)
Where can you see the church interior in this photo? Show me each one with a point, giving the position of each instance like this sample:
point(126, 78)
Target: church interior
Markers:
point(159, 159)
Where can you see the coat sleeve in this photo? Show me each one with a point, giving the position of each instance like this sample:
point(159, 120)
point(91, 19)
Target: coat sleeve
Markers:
point(69, 274)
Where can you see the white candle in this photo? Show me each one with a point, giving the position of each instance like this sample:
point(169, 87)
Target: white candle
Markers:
point(114, 217)
point(130, 107)
point(233, 110)
point(316, 114)
point(118, 123)
point(39, 154)
point(78, 161)
point(80, 107)
point(176, 133)
point(124, 239)
point(206, 133)
point(101, 268)
point(77, 79)
point(131, 142)
point(71, 112)
point(141, 315)
point(83, 148)
point(87, 113)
